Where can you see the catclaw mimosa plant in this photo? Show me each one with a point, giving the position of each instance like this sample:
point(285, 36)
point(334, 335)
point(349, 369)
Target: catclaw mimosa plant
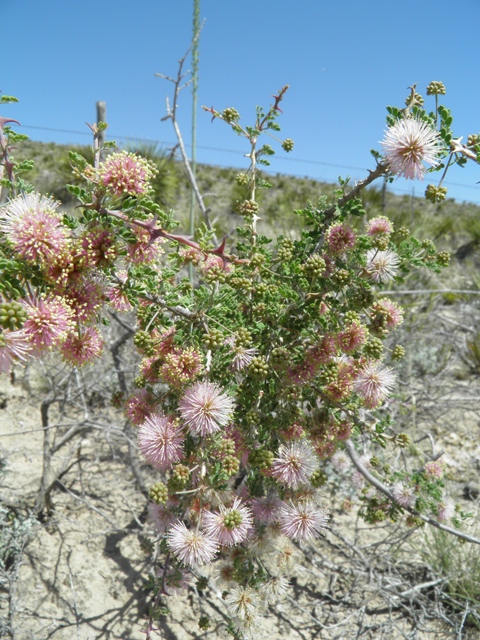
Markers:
point(253, 379)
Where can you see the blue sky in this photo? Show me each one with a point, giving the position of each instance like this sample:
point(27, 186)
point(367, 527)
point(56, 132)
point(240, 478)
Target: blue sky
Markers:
point(344, 62)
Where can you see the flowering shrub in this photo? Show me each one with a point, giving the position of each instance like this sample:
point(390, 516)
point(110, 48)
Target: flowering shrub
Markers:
point(253, 378)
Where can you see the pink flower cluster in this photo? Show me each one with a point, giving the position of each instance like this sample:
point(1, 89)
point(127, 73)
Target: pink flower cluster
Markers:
point(126, 174)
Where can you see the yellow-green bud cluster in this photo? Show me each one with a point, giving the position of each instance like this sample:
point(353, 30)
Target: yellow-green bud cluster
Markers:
point(279, 356)
point(329, 373)
point(435, 194)
point(175, 484)
point(287, 145)
point(341, 277)
point(181, 473)
point(143, 341)
point(230, 115)
point(252, 417)
point(443, 258)
point(158, 493)
point(261, 458)
point(240, 283)
point(12, 315)
point(363, 298)
point(293, 392)
point(402, 440)
point(215, 274)
point(473, 139)
point(227, 447)
point(414, 521)
point(213, 339)
point(204, 623)
point(436, 89)
point(387, 469)
point(315, 265)
point(374, 461)
point(243, 337)
point(242, 179)
point(377, 516)
point(246, 207)
point(257, 260)
point(233, 519)
point(351, 317)
point(285, 249)
point(403, 232)
point(373, 348)
point(231, 465)
point(261, 288)
point(318, 479)
point(398, 353)
point(258, 367)
point(140, 381)
point(381, 242)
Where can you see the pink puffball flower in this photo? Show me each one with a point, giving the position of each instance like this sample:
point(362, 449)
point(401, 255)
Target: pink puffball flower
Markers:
point(205, 409)
point(382, 266)
point(404, 495)
point(386, 312)
point(267, 510)
point(231, 525)
point(446, 509)
point(99, 246)
point(242, 358)
point(86, 299)
point(380, 226)
point(48, 324)
point(339, 239)
point(352, 337)
point(162, 516)
point(409, 143)
point(160, 441)
point(181, 367)
point(126, 174)
point(191, 547)
point(302, 521)
point(14, 346)
point(340, 461)
point(34, 228)
point(273, 590)
point(82, 348)
point(139, 406)
point(434, 470)
point(118, 299)
point(294, 465)
point(374, 382)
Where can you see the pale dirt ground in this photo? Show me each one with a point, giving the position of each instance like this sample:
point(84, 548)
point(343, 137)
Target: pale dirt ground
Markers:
point(82, 572)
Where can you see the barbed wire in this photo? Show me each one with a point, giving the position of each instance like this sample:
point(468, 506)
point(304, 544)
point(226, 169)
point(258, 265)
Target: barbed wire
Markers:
point(236, 151)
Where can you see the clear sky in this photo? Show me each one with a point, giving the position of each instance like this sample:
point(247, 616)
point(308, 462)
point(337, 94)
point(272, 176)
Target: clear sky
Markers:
point(344, 61)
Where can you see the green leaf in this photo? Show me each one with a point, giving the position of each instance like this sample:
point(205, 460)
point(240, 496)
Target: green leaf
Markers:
point(6, 99)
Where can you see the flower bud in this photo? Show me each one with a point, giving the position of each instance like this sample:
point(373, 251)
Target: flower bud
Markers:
point(230, 115)
point(436, 88)
point(435, 194)
point(12, 315)
point(398, 353)
point(158, 493)
point(287, 145)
